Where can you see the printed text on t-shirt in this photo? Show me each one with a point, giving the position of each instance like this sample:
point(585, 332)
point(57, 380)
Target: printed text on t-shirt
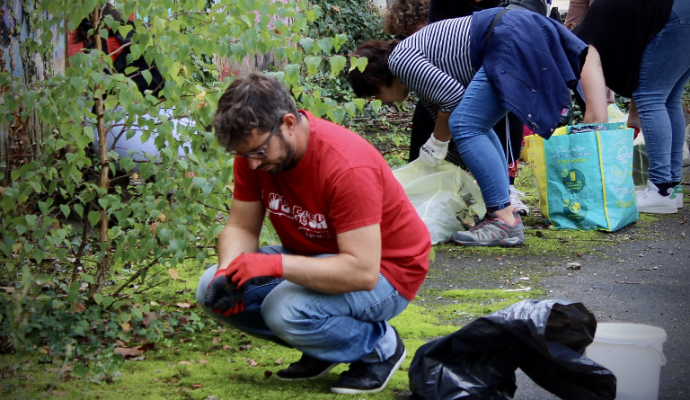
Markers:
point(312, 225)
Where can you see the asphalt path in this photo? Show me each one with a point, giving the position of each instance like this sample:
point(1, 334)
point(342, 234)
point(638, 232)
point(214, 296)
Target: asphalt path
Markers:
point(644, 280)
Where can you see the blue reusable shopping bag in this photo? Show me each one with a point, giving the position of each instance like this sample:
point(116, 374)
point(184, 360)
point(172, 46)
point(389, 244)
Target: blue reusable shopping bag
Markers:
point(587, 177)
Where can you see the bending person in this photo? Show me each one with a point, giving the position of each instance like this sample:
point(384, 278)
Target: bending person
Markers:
point(327, 192)
point(470, 76)
point(405, 17)
point(651, 65)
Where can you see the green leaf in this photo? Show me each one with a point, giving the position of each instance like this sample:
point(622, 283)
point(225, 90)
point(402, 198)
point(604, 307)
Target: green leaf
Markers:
point(107, 301)
point(124, 317)
point(313, 63)
point(136, 313)
point(147, 76)
point(98, 298)
point(124, 30)
point(339, 40)
point(79, 209)
point(87, 278)
point(362, 63)
point(65, 210)
point(376, 105)
point(292, 74)
point(307, 44)
point(432, 255)
point(73, 291)
point(337, 65)
point(94, 217)
point(359, 103)
point(325, 45)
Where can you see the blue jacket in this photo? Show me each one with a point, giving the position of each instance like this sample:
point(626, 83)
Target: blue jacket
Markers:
point(532, 61)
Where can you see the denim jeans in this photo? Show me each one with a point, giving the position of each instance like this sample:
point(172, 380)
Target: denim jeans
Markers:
point(664, 72)
point(471, 127)
point(344, 328)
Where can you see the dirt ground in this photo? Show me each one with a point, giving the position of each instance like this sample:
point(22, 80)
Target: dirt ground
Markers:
point(642, 275)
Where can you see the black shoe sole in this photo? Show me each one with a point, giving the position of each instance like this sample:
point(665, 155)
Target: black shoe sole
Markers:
point(320, 375)
point(344, 390)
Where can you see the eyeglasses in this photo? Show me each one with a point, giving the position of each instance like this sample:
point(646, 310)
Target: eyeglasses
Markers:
point(261, 153)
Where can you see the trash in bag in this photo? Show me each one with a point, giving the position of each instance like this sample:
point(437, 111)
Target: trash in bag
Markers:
point(445, 197)
point(545, 339)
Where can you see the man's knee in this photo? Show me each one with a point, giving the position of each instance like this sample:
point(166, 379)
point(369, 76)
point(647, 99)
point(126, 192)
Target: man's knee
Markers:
point(203, 284)
point(284, 311)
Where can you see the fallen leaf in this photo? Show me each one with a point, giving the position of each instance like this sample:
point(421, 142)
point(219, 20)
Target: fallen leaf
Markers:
point(148, 318)
point(56, 393)
point(29, 378)
point(246, 347)
point(173, 273)
point(252, 363)
point(335, 8)
point(148, 346)
point(279, 361)
point(216, 340)
point(152, 228)
point(79, 307)
point(8, 289)
point(162, 217)
point(184, 363)
point(268, 373)
point(197, 386)
point(202, 361)
point(126, 326)
point(183, 305)
point(155, 379)
point(173, 381)
point(226, 347)
point(128, 352)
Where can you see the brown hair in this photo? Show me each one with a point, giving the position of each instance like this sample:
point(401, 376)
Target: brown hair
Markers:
point(377, 73)
point(405, 17)
point(253, 101)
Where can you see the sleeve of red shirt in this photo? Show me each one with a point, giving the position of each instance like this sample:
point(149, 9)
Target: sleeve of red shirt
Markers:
point(355, 199)
point(246, 183)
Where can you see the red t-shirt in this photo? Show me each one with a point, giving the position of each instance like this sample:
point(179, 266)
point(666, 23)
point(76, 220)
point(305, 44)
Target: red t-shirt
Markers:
point(341, 183)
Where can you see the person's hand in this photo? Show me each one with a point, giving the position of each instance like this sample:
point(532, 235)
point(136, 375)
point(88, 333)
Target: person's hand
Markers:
point(252, 265)
point(222, 296)
point(433, 151)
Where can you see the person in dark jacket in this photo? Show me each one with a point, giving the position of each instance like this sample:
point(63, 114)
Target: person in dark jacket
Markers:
point(471, 71)
point(651, 65)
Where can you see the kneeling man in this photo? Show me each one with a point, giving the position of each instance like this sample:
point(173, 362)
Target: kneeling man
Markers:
point(353, 250)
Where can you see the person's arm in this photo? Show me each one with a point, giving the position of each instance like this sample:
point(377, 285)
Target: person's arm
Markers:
point(442, 130)
point(355, 268)
point(576, 11)
point(241, 232)
point(594, 88)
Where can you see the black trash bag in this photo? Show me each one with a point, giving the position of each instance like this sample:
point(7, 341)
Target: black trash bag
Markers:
point(546, 339)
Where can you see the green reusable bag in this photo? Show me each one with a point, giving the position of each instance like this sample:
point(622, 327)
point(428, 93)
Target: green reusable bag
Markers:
point(587, 177)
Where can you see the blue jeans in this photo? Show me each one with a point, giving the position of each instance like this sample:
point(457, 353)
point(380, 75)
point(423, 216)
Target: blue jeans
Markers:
point(344, 328)
point(664, 72)
point(471, 127)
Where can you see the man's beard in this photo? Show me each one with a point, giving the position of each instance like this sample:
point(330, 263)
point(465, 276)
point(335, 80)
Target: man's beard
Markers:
point(284, 164)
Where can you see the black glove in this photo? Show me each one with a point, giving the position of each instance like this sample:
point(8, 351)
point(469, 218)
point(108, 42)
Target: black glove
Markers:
point(224, 298)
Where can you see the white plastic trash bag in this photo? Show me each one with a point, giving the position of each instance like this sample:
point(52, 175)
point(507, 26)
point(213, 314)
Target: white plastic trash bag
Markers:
point(445, 197)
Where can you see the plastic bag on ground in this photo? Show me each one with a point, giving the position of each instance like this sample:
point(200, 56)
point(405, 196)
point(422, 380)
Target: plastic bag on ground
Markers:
point(546, 339)
point(445, 197)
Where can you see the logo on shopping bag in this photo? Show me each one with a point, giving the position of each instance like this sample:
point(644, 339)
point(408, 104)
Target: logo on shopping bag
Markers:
point(573, 180)
point(575, 210)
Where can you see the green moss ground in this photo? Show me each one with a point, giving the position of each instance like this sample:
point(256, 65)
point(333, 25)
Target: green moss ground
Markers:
point(463, 284)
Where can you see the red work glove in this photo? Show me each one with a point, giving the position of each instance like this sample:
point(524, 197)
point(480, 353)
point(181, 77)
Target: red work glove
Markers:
point(222, 296)
point(252, 265)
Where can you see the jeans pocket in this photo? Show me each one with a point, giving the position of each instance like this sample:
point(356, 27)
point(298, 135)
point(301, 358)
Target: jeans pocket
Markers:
point(254, 295)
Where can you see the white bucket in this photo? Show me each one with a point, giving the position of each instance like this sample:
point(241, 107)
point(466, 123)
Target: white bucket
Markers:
point(634, 353)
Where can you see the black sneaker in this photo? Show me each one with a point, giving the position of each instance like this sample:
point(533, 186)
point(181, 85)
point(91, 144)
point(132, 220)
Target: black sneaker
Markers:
point(370, 377)
point(306, 368)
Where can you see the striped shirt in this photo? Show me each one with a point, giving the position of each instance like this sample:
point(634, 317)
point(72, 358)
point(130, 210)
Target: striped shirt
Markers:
point(435, 63)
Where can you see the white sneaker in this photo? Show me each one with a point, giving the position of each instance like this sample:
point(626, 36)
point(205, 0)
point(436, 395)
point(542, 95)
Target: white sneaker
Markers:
point(515, 201)
point(677, 193)
point(650, 201)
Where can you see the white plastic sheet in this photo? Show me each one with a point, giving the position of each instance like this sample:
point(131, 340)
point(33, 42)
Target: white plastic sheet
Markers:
point(445, 197)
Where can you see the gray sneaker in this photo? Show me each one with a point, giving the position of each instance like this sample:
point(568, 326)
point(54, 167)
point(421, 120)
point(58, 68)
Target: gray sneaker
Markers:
point(492, 232)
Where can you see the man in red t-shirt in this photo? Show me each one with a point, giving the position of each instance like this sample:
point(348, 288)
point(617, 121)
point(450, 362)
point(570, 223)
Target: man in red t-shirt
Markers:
point(354, 251)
